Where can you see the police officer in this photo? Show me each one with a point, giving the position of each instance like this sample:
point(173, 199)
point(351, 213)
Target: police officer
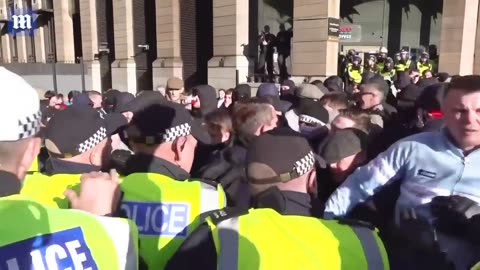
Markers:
point(405, 63)
point(37, 237)
point(371, 65)
point(388, 72)
point(355, 70)
point(382, 56)
point(158, 192)
point(424, 63)
point(284, 217)
point(78, 141)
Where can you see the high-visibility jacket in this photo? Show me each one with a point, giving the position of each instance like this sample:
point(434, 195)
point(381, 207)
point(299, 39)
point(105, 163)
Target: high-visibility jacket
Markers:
point(355, 75)
point(49, 190)
point(165, 210)
point(403, 67)
point(422, 68)
point(388, 74)
point(33, 236)
point(265, 239)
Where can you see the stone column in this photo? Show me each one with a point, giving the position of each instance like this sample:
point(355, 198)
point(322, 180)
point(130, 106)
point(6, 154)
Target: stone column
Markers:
point(21, 37)
point(6, 49)
point(169, 60)
point(457, 42)
point(88, 18)
point(476, 63)
point(64, 31)
point(313, 53)
point(39, 32)
point(123, 68)
point(230, 32)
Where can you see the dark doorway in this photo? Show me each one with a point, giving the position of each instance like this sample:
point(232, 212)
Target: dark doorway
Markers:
point(106, 39)
point(145, 34)
point(204, 39)
point(77, 32)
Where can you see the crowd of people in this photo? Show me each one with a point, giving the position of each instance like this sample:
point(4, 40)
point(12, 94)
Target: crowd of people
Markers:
point(376, 174)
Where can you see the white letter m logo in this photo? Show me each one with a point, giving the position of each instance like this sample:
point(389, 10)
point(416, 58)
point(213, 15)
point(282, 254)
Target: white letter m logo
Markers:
point(22, 22)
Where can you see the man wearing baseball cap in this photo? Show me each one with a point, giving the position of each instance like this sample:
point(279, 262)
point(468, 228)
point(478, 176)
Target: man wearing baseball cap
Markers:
point(163, 138)
point(280, 168)
point(71, 234)
point(78, 141)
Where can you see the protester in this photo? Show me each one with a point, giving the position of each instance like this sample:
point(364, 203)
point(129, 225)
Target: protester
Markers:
point(449, 151)
point(227, 166)
point(219, 126)
point(343, 151)
point(204, 100)
point(175, 90)
point(221, 97)
point(96, 98)
point(284, 214)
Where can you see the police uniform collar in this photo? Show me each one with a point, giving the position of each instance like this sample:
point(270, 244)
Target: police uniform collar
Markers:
point(9, 184)
point(58, 166)
point(141, 163)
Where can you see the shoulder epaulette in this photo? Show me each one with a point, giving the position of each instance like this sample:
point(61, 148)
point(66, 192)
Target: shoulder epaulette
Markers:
point(356, 223)
point(220, 215)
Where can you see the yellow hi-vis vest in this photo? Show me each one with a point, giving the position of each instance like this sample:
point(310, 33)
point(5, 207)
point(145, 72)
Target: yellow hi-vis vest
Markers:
point(403, 67)
point(48, 190)
point(422, 68)
point(166, 211)
point(33, 236)
point(355, 75)
point(388, 74)
point(265, 239)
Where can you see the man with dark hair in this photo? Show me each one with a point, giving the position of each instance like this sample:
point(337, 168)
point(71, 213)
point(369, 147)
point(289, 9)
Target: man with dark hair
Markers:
point(429, 164)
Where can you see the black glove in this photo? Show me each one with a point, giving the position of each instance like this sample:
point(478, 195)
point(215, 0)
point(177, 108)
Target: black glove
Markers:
point(453, 213)
point(419, 233)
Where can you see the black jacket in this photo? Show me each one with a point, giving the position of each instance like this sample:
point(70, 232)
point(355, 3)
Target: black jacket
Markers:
point(57, 166)
point(9, 184)
point(198, 251)
point(142, 163)
point(227, 167)
point(208, 100)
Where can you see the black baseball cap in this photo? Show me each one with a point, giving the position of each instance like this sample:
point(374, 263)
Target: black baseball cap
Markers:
point(143, 101)
point(278, 156)
point(77, 129)
point(343, 143)
point(164, 122)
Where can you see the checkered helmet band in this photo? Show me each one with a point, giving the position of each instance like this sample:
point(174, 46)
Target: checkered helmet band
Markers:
point(175, 132)
point(93, 141)
point(305, 164)
point(29, 125)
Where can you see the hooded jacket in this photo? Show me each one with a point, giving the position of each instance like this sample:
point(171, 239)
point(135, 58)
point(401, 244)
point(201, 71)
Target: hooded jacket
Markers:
point(208, 100)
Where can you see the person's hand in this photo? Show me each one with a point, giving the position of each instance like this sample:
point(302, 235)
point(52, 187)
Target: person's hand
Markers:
point(453, 212)
point(419, 233)
point(99, 193)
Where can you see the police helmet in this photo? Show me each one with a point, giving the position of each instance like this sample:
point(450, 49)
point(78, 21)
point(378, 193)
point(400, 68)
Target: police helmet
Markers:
point(358, 59)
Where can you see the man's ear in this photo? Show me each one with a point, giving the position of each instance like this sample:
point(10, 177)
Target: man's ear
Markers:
point(312, 182)
point(32, 149)
point(178, 146)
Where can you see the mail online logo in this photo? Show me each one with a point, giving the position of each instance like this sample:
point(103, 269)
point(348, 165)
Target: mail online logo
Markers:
point(21, 22)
